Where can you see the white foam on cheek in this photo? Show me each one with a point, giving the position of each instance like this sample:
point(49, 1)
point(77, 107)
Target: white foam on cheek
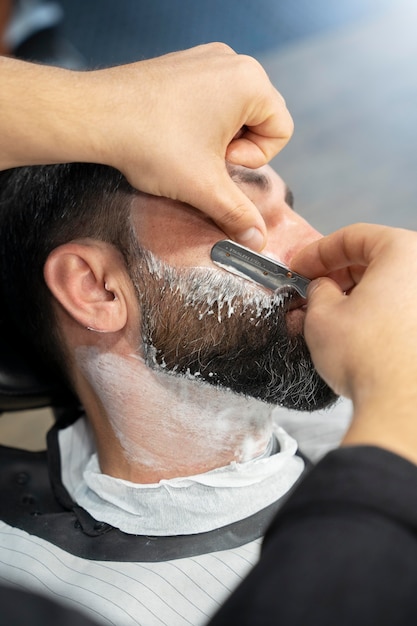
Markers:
point(215, 292)
point(157, 417)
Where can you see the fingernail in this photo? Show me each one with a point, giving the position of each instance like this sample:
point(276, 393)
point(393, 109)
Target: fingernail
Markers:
point(252, 238)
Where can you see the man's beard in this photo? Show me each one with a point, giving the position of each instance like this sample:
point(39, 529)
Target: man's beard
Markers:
point(213, 326)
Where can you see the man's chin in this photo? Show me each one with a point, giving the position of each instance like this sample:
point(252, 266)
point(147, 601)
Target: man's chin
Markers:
point(321, 401)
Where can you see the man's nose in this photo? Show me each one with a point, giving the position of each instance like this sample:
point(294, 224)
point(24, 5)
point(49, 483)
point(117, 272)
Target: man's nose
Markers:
point(288, 236)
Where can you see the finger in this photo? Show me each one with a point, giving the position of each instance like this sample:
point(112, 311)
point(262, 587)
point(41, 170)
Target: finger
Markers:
point(356, 245)
point(323, 292)
point(258, 145)
point(245, 152)
point(222, 200)
point(254, 151)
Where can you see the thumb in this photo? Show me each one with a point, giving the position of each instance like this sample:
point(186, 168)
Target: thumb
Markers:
point(324, 297)
point(232, 211)
point(322, 291)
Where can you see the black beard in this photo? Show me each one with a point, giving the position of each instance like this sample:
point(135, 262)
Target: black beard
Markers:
point(233, 342)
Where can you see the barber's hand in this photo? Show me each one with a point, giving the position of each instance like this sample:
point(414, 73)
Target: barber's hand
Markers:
point(364, 344)
point(169, 124)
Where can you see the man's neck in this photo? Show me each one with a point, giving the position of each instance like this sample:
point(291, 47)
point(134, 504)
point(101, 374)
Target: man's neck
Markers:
point(152, 425)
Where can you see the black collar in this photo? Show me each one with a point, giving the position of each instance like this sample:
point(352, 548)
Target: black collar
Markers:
point(36, 501)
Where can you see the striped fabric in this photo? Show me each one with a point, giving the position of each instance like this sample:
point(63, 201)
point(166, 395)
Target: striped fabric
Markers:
point(173, 593)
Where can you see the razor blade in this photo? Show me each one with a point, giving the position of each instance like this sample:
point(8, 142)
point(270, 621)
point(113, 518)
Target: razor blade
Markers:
point(261, 269)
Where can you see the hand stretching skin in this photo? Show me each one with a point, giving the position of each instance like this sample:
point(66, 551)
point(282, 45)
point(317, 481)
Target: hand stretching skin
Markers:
point(167, 123)
point(364, 344)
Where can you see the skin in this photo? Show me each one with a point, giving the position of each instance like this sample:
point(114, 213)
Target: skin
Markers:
point(148, 426)
point(192, 234)
point(146, 119)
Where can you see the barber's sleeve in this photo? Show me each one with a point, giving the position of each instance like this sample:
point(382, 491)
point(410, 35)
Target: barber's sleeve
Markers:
point(341, 552)
point(23, 608)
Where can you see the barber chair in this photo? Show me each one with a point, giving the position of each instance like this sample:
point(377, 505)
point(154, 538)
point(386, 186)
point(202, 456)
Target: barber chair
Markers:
point(25, 384)
point(30, 498)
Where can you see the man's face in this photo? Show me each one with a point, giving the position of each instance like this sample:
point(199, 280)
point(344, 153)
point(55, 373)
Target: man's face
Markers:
point(201, 321)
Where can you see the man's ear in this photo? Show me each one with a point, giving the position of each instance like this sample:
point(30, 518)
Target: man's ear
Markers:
point(88, 279)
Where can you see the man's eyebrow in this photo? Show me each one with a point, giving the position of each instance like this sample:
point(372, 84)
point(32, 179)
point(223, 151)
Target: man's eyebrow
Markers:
point(250, 177)
point(258, 179)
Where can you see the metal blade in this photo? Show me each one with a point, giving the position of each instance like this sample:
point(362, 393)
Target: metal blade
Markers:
point(256, 267)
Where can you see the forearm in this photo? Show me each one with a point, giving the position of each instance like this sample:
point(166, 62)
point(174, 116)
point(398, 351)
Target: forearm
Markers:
point(45, 115)
point(168, 124)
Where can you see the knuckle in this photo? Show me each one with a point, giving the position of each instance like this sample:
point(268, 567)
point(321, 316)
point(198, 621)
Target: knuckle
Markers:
point(250, 67)
point(219, 46)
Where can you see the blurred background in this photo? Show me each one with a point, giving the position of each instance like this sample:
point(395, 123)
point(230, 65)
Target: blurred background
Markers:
point(347, 70)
